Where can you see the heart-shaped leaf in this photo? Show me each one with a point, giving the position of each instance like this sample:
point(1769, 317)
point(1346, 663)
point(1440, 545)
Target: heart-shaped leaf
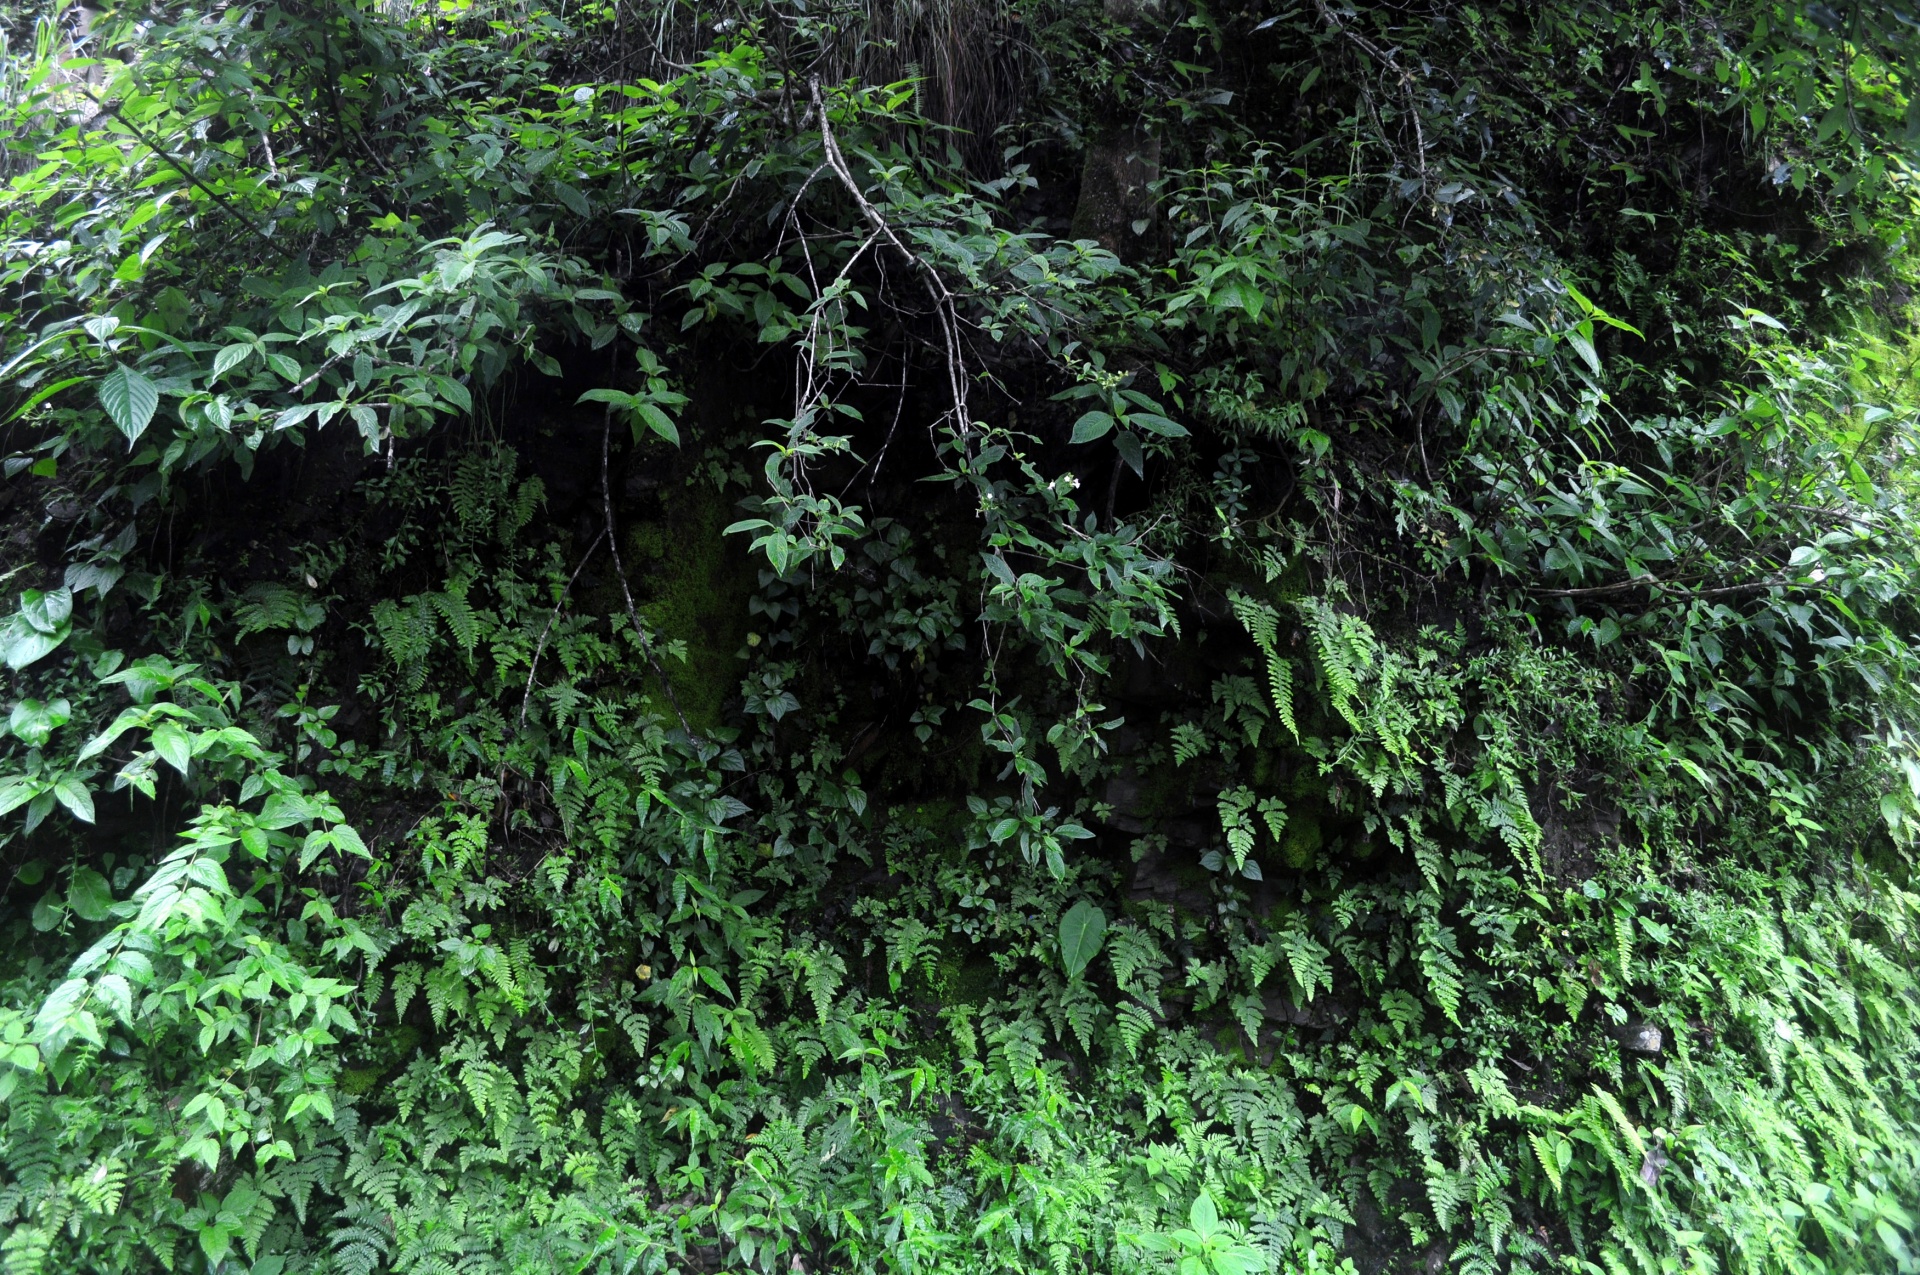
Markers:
point(130, 399)
point(33, 722)
point(40, 625)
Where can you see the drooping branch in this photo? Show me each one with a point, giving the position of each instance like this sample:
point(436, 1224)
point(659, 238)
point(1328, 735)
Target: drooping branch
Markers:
point(945, 306)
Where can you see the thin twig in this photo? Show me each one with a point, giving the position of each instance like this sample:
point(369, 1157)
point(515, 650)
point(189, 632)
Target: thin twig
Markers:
point(1406, 81)
point(540, 647)
point(946, 308)
point(188, 173)
point(1649, 582)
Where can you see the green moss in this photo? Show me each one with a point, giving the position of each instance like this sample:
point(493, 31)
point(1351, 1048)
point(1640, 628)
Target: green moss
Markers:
point(1300, 843)
point(1164, 792)
point(360, 1080)
point(696, 586)
point(943, 820)
point(967, 980)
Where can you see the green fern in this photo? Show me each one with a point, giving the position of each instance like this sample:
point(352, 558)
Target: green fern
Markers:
point(1262, 623)
point(1131, 1025)
point(462, 624)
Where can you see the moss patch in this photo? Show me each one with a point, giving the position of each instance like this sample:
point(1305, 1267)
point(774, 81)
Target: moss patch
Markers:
point(695, 585)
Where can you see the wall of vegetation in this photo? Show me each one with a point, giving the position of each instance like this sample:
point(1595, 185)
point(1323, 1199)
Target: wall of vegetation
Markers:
point(1217, 636)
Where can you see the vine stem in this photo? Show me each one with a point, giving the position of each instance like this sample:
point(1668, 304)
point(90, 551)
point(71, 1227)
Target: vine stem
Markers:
point(540, 647)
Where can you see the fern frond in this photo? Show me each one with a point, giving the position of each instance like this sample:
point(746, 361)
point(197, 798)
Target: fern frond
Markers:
point(1262, 623)
point(461, 622)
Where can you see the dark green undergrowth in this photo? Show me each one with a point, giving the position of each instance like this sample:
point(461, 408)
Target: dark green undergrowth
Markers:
point(958, 637)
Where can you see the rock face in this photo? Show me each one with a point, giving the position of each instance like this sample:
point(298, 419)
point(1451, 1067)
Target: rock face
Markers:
point(1116, 189)
point(1641, 1039)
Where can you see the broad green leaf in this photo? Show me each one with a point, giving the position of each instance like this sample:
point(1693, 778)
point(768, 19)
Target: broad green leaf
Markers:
point(89, 895)
point(73, 794)
point(618, 398)
point(216, 1238)
point(1090, 426)
point(47, 913)
point(130, 399)
point(33, 723)
point(37, 628)
point(1237, 294)
point(345, 838)
point(47, 611)
point(1583, 346)
point(659, 422)
point(1082, 930)
point(117, 994)
point(174, 745)
point(454, 392)
point(16, 791)
point(1155, 423)
point(228, 359)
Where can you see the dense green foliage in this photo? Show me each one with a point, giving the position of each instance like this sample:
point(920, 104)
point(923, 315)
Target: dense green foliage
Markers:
point(959, 637)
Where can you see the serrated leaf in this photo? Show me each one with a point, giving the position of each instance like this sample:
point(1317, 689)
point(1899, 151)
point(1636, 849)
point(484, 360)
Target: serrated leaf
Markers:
point(130, 399)
point(345, 838)
point(1082, 930)
point(118, 996)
